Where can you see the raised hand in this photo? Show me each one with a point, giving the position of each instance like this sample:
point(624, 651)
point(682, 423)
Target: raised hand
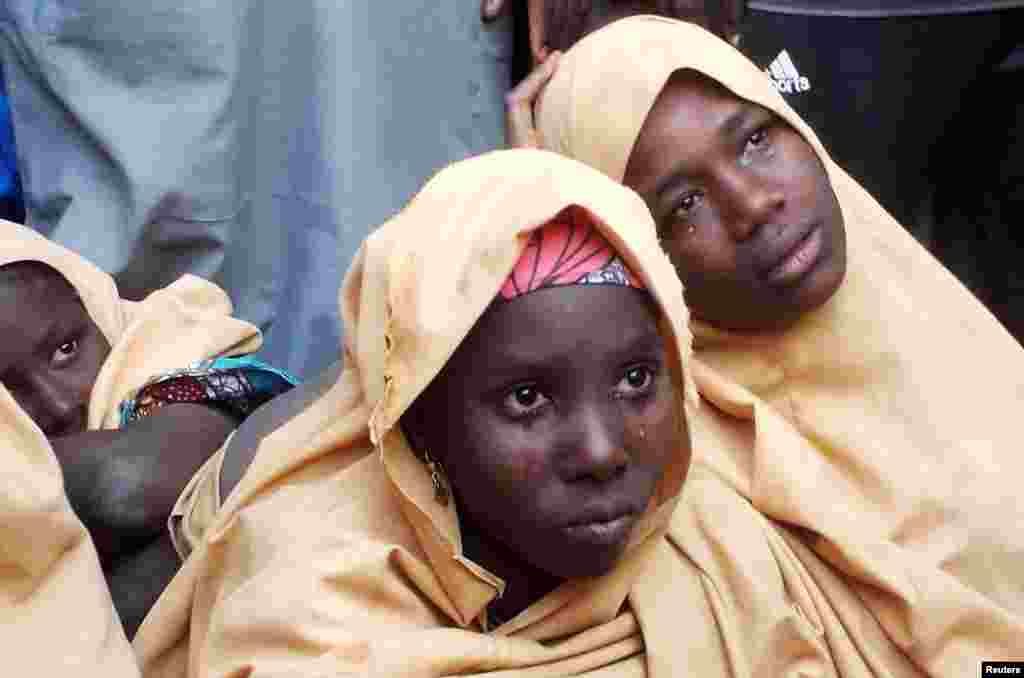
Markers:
point(520, 128)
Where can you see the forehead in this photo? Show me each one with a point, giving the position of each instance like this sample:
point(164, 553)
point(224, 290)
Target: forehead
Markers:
point(691, 103)
point(31, 272)
point(565, 323)
point(693, 121)
point(32, 292)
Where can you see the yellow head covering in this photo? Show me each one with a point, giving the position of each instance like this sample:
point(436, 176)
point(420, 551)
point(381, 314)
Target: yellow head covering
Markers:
point(57, 616)
point(332, 556)
point(882, 425)
point(185, 322)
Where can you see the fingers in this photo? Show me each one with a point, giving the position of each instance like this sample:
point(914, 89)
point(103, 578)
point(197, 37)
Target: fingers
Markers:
point(694, 11)
point(536, 11)
point(555, 17)
point(735, 11)
point(492, 9)
point(718, 16)
point(565, 22)
point(520, 129)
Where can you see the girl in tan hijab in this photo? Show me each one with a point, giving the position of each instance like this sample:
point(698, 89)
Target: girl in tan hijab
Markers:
point(487, 487)
point(853, 391)
point(98, 375)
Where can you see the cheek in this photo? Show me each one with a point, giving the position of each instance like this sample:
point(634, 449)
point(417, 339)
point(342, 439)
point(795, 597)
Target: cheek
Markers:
point(701, 258)
point(807, 181)
point(498, 456)
point(654, 431)
point(518, 466)
point(812, 194)
point(91, 366)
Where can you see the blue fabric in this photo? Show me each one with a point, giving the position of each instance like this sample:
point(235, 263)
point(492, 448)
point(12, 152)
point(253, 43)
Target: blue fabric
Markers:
point(10, 185)
point(237, 386)
point(262, 376)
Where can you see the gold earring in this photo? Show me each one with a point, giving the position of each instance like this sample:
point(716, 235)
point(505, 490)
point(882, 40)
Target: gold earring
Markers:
point(437, 478)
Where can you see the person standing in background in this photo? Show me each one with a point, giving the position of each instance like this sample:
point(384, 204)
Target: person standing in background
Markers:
point(254, 144)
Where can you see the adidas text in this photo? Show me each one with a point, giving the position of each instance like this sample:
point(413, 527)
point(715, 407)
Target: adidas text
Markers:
point(784, 75)
point(790, 85)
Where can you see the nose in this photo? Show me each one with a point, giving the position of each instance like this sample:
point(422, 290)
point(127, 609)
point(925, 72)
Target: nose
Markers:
point(597, 445)
point(57, 407)
point(751, 201)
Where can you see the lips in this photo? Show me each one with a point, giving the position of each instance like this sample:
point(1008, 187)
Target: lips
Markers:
point(602, 526)
point(789, 255)
point(601, 514)
point(604, 534)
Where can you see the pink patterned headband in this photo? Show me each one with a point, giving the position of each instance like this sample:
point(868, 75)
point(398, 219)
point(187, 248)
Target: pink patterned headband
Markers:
point(567, 251)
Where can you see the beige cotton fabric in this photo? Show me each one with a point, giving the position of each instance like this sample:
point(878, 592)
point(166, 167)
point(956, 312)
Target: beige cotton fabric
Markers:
point(56, 617)
point(880, 434)
point(332, 556)
point(197, 505)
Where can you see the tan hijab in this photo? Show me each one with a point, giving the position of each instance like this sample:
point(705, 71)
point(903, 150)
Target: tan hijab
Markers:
point(187, 321)
point(332, 557)
point(878, 433)
point(57, 617)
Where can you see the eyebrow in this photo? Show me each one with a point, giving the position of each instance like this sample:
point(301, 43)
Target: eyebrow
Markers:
point(646, 341)
point(729, 127)
point(58, 327)
point(54, 329)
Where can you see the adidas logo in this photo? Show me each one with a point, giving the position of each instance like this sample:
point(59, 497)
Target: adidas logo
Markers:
point(784, 76)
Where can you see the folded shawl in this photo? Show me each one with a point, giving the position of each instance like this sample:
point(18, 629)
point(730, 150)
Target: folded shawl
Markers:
point(878, 434)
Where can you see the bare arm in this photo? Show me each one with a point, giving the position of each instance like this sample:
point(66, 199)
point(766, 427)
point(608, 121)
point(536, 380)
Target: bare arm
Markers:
point(123, 483)
point(137, 581)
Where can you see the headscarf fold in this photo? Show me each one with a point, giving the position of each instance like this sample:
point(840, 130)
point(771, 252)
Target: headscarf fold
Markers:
point(57, 615)
point(332, 556)
point(878, 434)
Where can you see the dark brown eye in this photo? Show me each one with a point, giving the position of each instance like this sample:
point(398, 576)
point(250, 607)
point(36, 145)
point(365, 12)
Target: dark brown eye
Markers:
point(524, 400)
point(683, 210)
point(526, 396)
point(758, 145)
point(65, 352)
point(758, 138)
point(636, 381)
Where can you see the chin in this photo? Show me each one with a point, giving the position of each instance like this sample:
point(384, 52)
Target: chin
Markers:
point(586, 564)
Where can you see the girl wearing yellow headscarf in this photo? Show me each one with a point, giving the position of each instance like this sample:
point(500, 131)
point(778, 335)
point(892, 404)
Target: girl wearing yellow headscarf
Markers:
point(853, 391)
point(488, 484)
point(129, 397)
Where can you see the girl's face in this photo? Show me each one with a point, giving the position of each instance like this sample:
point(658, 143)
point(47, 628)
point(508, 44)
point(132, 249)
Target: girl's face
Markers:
point(50, 349)
point(555, 420)
point(744, 207)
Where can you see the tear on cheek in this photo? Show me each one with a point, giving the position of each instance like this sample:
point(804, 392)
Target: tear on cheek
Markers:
point(654, 428)
point(638, 431)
